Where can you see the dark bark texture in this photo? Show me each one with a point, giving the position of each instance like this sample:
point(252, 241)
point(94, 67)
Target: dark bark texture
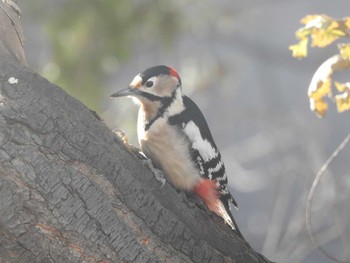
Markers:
point(71, 191)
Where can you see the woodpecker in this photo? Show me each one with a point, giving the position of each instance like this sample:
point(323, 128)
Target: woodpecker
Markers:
point(174, 134)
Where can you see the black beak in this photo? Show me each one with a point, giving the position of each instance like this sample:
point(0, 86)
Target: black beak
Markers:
point(129, 91)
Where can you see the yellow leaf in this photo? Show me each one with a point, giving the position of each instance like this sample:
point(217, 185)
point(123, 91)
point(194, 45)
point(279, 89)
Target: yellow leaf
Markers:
point(346, 21)
point(323, 29)
point(344, 50)
point(325, 36)
point(303, 33)
point(343, 101)
point(299, 50)
point(338, 32)
point(313, 19)
point(321, 39)
point(340, 86)
point(318, 106)
point(321, 81)
point(323, 89)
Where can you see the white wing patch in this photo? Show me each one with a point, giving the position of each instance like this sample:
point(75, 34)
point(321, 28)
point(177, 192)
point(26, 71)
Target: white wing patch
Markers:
point(205, 149)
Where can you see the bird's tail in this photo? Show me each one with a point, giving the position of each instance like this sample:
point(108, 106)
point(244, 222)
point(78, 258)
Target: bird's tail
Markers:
point(207, 190)
point(225, 208)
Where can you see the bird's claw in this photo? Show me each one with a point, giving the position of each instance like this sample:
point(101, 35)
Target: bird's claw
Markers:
point(158, 174)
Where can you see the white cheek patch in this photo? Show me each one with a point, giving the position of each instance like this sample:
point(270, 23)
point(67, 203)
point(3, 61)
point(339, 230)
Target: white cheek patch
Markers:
point(136, 82)
point(205, 149)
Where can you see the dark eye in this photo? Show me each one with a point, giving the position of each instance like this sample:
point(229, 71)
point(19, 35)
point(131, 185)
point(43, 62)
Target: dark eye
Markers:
point(149, 84)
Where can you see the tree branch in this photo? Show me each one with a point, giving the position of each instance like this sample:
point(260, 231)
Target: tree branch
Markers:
point(12, 39)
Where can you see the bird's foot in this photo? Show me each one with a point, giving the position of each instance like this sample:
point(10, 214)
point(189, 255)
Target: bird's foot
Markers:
point(158, 174)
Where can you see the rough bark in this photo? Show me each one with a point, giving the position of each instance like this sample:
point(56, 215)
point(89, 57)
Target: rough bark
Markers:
point(11, 34)
point(71, 191)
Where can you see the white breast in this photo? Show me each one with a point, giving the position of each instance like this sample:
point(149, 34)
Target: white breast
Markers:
point(168, 149)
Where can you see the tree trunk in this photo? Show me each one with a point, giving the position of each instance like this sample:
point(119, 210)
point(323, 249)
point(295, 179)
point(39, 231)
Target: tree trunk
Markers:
point(71, 191)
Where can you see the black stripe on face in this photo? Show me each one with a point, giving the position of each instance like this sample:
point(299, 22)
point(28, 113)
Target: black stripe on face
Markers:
point(165, 103)
point(150, 96)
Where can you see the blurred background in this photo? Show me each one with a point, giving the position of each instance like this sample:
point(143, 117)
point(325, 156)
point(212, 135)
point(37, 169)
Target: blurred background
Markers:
point(234, 62)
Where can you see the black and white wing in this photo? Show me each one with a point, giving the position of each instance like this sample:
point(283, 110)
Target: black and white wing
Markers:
point(203, 150)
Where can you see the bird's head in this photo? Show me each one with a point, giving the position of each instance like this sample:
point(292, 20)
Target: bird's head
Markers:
point(154, 84)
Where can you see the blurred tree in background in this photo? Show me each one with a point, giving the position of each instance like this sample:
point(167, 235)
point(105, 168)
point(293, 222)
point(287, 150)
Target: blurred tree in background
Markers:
point(89, 39)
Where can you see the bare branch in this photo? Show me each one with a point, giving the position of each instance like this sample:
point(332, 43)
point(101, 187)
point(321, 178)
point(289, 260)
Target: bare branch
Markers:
point(318, 177)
